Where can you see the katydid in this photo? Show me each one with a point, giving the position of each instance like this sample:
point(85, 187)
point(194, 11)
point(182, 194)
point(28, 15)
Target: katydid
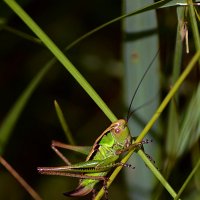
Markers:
point(101, 159)
point(115, 140)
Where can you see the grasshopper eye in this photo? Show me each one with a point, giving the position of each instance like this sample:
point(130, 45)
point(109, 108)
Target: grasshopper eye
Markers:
point(117, 130)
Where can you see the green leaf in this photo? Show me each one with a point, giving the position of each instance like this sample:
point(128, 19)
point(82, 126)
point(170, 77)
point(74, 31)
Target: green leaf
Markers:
point(63, 123)
point(13, 115)
point(189, 132)
point(61, 57)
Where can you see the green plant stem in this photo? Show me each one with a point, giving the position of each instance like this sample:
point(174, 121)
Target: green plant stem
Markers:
point(157, 174)
point(61, 57)
point(150, 124)
point(144, 9)
point(64, 124)
point(10, 120)
point(22, 34)
point(188, 180)
point(169, 96)
point(194, 25)
point(172, 126)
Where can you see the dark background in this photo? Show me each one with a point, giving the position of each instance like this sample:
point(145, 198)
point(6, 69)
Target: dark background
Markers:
point(98, 58)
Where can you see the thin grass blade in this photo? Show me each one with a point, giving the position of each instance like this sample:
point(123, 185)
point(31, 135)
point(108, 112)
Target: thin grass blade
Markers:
point(13, 115)
point(64, 123)
point(189, 133)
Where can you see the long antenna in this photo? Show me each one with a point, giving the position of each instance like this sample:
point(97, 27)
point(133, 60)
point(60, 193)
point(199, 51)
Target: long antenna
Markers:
point(129, 109)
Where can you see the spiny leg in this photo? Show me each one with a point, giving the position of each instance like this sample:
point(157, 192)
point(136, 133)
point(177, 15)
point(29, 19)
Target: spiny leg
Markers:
point(60, 144)
point(134, 145)
point(81, 176)
point(112, 165)
point(105, 189)
point(148, 156)
point(152, 160)
point(123, 165)
point(127, 165)
point(106, 179)
point(93, 193)
point(80, 149)
point(43, 170)
point(55, 144)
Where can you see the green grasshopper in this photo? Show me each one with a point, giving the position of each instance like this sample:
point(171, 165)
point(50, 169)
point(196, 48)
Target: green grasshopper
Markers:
point(102, 157)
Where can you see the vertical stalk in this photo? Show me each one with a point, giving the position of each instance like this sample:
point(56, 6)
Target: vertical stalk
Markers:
point(137, 54)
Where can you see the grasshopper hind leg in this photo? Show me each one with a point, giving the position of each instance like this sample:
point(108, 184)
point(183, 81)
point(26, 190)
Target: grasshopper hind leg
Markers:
point(54, 146)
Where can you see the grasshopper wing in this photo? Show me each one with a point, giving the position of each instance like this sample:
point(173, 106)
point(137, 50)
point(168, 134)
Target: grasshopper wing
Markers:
point(79, 191)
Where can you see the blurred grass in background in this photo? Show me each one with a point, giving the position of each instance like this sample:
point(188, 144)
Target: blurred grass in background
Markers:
point(99, 59)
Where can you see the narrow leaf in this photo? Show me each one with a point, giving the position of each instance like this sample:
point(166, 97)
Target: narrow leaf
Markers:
point(10, 120)
point(63, 123)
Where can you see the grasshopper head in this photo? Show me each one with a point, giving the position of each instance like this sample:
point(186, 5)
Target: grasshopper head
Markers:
point(121, 133)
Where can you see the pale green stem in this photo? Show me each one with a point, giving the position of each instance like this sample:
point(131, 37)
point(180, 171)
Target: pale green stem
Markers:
point(188, 179)
point(150, 124)
point(61, 57)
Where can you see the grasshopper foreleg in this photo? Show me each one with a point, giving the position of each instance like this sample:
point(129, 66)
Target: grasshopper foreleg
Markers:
point(123, 165)
point(132, 146)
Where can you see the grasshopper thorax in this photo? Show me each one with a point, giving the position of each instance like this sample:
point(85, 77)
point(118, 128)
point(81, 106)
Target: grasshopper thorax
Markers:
point(121, 133)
